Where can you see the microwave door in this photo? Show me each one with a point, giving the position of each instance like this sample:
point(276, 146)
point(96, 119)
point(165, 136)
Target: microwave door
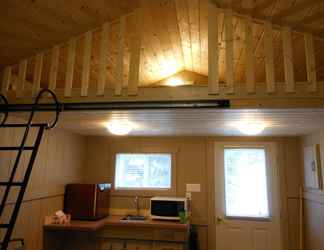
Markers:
point(166, 209)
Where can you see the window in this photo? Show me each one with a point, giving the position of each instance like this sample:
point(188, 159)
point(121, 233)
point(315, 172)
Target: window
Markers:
point(246, 193)
point(143, 171)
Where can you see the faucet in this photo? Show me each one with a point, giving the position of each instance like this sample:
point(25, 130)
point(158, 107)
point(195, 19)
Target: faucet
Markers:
point(136, 203)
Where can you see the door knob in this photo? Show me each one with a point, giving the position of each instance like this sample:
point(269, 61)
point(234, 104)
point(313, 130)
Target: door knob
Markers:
point(219, 219)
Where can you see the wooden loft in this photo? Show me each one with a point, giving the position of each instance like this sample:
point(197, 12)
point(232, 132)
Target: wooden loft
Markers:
point(265, 53)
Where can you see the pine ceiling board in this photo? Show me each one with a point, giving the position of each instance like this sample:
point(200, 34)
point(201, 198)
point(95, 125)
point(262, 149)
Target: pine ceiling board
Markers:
point(151, 62)
point(299, 57)
point(248, 4)
point(193, 12)
point(145, 67)
point(154, 43)
point(170, 17)
point(238, 49)
point(110, 56)
point(184, 28)
point(303, 12)
point(278, 57)
point(197, 122)
point(170, 65)
point(203, 23)
point(259, 42)
point(262, 6)
point(241, 68)
point(46, 23)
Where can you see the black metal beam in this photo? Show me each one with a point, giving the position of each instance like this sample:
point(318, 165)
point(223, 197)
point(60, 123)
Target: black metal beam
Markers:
point(109, 106)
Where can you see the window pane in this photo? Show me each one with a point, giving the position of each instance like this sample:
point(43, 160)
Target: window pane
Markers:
point(143, 171)
point(246, 192)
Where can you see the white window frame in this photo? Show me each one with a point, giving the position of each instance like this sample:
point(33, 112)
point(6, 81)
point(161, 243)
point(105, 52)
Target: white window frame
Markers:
point(145, 191)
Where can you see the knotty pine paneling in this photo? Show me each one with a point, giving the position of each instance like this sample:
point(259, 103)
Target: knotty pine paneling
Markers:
point(59, 161)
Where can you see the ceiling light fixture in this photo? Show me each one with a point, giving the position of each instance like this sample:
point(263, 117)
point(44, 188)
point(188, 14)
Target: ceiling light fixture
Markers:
point(250, 127)
point(119, 127)
point(174, 81)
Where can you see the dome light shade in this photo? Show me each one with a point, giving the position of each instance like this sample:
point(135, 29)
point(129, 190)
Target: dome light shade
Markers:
point(250, 127)
point(119, 127)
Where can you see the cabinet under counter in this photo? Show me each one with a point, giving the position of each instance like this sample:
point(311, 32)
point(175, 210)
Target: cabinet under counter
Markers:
point(113, 233)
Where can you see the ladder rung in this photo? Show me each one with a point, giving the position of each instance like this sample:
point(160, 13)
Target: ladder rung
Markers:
point(6, 183)
point(4, 225)
point(16, 148)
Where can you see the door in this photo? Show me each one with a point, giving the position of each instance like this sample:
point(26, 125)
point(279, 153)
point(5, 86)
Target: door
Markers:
point(247, 197)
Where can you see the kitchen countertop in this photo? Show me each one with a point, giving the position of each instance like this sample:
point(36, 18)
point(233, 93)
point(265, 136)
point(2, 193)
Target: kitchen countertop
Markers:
point(91, 226)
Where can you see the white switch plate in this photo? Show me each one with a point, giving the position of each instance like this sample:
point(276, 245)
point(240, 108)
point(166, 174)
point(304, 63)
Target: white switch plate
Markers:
point(193, 187)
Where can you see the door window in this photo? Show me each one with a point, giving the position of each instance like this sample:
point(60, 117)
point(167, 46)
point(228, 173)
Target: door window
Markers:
point(246, 190)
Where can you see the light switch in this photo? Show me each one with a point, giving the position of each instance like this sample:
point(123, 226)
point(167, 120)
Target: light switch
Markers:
point(193, 187)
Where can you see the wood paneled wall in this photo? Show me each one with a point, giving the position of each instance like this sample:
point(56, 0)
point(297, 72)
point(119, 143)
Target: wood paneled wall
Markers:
point(193, 162)
point(59, 161)
point(314, 203)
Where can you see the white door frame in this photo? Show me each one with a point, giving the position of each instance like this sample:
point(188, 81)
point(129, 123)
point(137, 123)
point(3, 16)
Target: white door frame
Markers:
point(273, 181)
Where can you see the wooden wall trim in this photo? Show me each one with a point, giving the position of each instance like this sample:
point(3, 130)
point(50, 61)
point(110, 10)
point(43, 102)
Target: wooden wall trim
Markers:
point(240, 99)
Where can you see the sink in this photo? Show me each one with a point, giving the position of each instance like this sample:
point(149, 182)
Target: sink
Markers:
point(134, 217)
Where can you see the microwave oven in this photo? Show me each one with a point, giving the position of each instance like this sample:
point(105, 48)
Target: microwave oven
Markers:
point(167, 208)
point(87, 201)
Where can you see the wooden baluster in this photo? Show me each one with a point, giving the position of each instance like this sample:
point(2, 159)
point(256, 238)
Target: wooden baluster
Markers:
point(288, 60)
point(70, 68)
point(310, 62)
point(269, 62)
point(53, 67)
point(213, 49)
point(6, 80)
point(86, 63)
point(229, 52)
point(135, 57)
point(103, 60)
point(37, 74)
point(21, 78)
point(119, 74)
point(250, 59)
